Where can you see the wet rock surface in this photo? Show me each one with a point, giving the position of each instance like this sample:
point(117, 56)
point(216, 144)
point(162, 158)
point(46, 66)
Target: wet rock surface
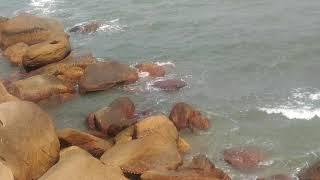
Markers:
point(88, 27)
point(169, 84)
point(310, 173)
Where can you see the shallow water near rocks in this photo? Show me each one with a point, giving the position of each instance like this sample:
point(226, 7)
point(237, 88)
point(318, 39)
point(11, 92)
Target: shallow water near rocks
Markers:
point(251, 66)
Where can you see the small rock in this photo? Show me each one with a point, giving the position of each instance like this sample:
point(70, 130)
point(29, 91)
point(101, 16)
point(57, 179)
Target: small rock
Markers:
point(16, 52)
point(169, 84)
point(105, 75)
point(185, 116)
point(244, 158)
point(154, 70)
point(94, 145)
point(89, 27)
point(310, 173)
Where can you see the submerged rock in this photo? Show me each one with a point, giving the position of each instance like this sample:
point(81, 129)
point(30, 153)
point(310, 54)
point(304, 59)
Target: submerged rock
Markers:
point(89, 27)
point(113, 119)
point(39, 87)
point(29, 145)
point(77, 164)
point(154, 70)
point(94, 145)
point(105, 75)
point(155, 147)
point(185, 116)
point(16, 52)
point(29, 29)
point(244, 158)
point(310, 173)
point(200, 168)
point(169, 84)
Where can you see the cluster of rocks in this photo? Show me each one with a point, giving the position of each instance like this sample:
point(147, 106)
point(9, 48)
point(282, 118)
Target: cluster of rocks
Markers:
point(120, 143)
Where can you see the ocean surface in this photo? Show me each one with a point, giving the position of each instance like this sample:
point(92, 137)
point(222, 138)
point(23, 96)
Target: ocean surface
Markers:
point(252, 66)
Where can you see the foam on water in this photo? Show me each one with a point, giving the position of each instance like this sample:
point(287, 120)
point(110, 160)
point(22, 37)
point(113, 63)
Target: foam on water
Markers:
point(45, 7)
point(112, 26)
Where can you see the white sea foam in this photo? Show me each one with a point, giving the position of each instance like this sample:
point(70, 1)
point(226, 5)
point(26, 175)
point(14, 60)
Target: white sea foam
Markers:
point(294, 113)
point(168, 63)
point(143, 74)
point(112, 26)
point(44, 6)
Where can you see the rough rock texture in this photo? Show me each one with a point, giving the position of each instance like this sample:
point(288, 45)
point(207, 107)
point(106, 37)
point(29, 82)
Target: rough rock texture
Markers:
point(29, 145)
point(77, 164)
point(200, 168)
point(277, 177)
point(5, 172)
point(154, 70)
point(244, 158)
point(155, 147)
point(94, 145)
point(125, 136)
point(16, 52)
point(29, 29)
point(105, 75)
point(5, 96)
point(53, 50)
point(89, 27)
point(39, 87)
point(113, 119)
point(310, 173)
point(185, 116)
point(169, 84)
point(183, 146)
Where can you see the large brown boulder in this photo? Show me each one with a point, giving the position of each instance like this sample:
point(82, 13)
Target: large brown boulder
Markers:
point(29, 29)
point(94, 145)
point(200, 168)
point(113, 119)
point(154, 148)
point(89, 27)
point(39, 87)
point(77, 164)
point(16, 52)
point(29, 145)
point(244, 158)
point(185, 116)
point(311, 172)
point(169, 84)
point(154, 70)
point(50, 51)
point(105, 75)
point(5, 96)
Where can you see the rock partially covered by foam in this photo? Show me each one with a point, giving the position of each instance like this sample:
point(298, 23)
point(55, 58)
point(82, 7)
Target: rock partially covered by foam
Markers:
point(88, 27)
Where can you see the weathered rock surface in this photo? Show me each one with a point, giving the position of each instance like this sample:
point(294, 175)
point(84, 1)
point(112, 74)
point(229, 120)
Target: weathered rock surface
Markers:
point(105, 75)
point(125, 136)
point(39, 87)
point(185, 116)
point(113, 119)
point(29, 145)
point(16, 52)
point(155, 147)
point(200, 168)
point(94, 145)
point(183, 146)
point(5, 96)
point(154, 70)
point(310, 173)
point(244, 158)
point(169, 84)
point(29, 29)
point(53, 50)
point(89, 27)
point(77, 164)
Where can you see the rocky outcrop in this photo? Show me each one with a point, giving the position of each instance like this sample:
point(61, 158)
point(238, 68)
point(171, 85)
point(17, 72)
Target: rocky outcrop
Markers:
point(88, 27)
point(94, 145)
point(54, 49)
point(154, 70)
point(29, 145)
point(155, 147)
point(16, 52)
point(29, 29)
point(169, 84)
point(77, 164)
point(311, 172)
point(244, 158)
point(185, 116)
point(200, 168)
point(113, 119)
point(5, 96)
point(39, 87)
point(105, 75)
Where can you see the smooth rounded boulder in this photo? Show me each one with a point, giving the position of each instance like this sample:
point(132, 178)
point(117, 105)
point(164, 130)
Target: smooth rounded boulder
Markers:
point(77, 164)
point(185, 116)
point(154, 70)
point(29, 145)
point(16, 52)
point(105, 75)
point(169, 84)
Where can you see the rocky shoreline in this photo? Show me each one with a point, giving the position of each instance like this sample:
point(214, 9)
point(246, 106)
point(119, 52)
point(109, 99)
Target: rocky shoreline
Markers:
point(120, 143)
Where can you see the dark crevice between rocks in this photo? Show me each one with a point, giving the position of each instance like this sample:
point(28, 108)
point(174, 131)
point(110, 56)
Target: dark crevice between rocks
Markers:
point(1, 124)
point(2, 159)
point(132, 176)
